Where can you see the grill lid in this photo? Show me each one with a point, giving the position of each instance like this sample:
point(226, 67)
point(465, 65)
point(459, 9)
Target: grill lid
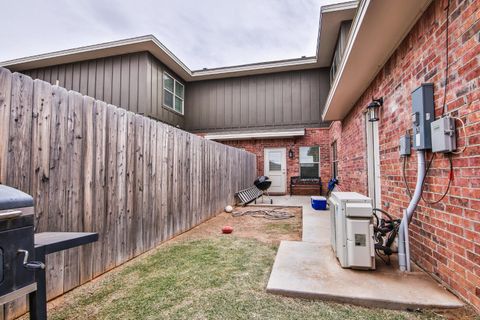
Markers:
point(11, 198)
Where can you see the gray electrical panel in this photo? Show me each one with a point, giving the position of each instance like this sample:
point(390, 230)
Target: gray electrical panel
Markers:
point(443, 135)
point(423, 114)
point(405, 145)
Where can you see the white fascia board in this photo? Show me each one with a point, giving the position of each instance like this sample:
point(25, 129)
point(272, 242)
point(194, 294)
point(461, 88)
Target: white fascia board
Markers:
point(353, 34)
point(377, 30)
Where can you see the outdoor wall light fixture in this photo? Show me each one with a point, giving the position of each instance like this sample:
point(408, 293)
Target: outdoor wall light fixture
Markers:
point(373, 108)
point(291, 154)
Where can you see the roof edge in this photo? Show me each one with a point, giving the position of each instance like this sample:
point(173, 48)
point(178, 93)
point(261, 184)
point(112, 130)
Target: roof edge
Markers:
point(272, 134)
point(351, 87)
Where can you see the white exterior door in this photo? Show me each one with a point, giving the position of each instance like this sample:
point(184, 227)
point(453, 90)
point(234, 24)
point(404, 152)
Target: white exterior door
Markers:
point(275, 168)
point(373, 162)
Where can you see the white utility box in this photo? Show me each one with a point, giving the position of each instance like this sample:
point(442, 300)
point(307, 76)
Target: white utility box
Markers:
point(443, 135)
point(352, 230)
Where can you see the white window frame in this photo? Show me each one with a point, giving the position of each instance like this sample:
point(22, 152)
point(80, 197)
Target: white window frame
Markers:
point(335, 160)
point(300, 161)
point(175, 81)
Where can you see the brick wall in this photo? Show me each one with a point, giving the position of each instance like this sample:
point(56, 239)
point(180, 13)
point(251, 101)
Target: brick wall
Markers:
point(313, 137)
point(445, 238)
point(351, 152)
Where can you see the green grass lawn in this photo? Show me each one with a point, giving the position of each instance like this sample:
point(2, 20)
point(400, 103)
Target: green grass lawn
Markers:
point(214, 278)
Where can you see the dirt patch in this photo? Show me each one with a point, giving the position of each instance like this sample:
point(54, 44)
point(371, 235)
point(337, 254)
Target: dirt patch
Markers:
point(261, 229)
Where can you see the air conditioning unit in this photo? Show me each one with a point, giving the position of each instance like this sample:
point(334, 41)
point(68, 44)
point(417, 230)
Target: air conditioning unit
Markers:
point(352, 230)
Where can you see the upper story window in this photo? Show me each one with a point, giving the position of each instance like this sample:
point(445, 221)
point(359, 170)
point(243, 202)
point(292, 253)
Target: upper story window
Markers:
point(340, 48)
point(173, 93)
point(309, 162)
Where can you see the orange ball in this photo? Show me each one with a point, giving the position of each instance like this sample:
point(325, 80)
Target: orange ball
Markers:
point(227, 229)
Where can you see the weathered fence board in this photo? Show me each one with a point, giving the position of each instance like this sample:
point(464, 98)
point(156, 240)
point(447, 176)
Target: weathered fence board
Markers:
point(5, 96)
point(86, 263)
point(121, 227)
point(94, 167)
point(132, 222)
point(100, 247)
point(74, 213)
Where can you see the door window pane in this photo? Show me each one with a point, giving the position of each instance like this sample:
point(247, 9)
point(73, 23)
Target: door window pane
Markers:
point(274, 161)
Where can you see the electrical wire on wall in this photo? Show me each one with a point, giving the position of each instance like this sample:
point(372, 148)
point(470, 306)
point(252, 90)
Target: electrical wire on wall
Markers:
point(465, 141)
point(444, 107)
point(444, 104)
point(450, 179)
point(409, 192)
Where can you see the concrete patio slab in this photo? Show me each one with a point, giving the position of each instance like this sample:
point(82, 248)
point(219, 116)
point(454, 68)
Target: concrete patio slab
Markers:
point(310, 270)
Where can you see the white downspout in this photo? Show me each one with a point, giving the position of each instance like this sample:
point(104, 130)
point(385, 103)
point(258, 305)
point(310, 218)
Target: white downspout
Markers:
point(403, 244)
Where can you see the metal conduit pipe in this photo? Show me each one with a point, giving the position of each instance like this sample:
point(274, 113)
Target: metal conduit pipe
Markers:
point(407, 247)
point(403, 250)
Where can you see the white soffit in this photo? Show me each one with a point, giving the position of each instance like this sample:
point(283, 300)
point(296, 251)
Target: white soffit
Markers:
point(377, 30)
point(223, 136)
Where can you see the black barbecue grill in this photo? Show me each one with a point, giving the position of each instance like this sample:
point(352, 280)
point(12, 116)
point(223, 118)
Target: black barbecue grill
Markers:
point(19, 273)
point(17, 276)
point(263, 183)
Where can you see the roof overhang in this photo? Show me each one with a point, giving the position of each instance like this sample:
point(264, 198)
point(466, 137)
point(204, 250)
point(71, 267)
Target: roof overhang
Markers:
point(271, 134)
point(331, 17)
point(138, 44)
point(377, 30)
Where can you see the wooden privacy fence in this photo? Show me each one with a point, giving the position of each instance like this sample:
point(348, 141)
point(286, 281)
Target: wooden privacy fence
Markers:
point(95, 167)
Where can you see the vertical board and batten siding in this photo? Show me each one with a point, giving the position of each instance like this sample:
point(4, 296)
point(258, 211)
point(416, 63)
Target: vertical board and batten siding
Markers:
point(278, 100)
point(91, 166)
point(131, 81)
point(154, 90)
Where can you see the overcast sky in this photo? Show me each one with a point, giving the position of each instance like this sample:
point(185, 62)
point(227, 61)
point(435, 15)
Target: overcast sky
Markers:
point(202, 33)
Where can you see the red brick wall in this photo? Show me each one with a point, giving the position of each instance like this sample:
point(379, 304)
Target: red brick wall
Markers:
point(351, 153)
point(445, 237)
point(313, 137)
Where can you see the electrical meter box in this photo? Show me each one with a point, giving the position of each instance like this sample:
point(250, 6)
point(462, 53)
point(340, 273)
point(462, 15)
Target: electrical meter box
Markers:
point(443, 135)
point(423, 114)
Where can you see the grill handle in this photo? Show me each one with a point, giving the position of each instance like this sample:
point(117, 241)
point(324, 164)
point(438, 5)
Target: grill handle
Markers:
point(10, 214)
point(30, 265)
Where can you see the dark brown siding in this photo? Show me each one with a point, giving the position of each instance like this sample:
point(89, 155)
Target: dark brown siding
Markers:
point(131, 81)
point(280, 100)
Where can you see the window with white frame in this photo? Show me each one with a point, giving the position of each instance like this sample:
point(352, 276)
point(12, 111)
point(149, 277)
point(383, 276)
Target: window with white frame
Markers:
point(309, 162)
point(334, 160)
point(173, 93)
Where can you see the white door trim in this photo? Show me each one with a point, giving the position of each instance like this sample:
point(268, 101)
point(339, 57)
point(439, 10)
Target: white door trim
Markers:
point(373, 162)
point(266, 171)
